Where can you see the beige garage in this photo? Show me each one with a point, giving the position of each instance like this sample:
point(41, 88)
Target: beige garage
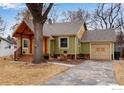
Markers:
point(100, 52)
point(101, 44)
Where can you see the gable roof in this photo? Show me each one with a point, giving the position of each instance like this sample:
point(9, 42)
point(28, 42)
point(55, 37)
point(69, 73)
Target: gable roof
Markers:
point(99, 35)
point(8, 41)
point(58, 29)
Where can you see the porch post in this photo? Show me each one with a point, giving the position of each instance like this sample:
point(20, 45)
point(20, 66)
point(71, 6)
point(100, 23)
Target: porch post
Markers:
point(49, 47)
point(75, 48)
point(21, 44)
point(30, 44)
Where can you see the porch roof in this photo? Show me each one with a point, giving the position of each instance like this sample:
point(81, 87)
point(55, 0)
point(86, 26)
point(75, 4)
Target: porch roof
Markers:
point(22, 29)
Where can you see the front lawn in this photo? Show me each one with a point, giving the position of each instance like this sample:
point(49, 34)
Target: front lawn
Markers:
point(27, 74)
point(118, 67)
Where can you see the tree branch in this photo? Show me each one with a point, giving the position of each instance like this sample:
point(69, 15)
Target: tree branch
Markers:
point(47, 11)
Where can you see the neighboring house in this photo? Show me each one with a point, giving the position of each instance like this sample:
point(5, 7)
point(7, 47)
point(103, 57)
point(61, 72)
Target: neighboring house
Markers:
point(6, 47)
point(71, 38)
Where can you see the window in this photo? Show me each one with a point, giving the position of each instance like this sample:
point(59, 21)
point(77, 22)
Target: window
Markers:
point(25, 43)
point(100, 49)
point(63, 42)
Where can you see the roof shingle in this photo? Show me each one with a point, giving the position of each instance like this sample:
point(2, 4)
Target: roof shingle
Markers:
point(99, 35)
point(58, 29)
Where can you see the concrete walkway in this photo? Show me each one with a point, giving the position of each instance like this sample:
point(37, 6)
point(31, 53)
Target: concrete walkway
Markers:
point(62, 64)
point(87, 73)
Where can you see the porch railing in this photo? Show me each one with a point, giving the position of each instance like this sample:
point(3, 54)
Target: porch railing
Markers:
point(17, 54)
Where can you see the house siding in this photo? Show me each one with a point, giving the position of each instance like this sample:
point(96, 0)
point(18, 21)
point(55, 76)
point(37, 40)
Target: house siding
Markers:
point(47, 47)
point(18, 42)
point(85, 48)
point(19, 45)
point(55, 49)
point(5, 50)
point(52, 49)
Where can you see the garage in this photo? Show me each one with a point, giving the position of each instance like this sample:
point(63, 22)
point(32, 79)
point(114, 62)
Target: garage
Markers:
point(100, 52)
point(99, 44)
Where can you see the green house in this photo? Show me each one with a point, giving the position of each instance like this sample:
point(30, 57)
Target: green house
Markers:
point(71, 38)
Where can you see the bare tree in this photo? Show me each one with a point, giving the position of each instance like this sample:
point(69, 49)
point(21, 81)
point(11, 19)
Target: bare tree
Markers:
point(106, 16)
point(120, 42)
point(2, 25)
point(39, 14)
point(76, 15)
point(53, 15)
point(24, 14)
point(120, 35)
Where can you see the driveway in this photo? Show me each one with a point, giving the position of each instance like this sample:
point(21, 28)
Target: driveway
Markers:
point(87, 73)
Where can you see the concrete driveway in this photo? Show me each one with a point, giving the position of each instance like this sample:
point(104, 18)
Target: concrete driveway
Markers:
point(87, 73)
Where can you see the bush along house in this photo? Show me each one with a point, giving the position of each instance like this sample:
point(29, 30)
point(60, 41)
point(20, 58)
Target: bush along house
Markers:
point(71, 38)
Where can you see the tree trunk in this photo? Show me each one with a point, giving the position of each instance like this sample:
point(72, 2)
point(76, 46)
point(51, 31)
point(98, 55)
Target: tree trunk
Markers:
point(38, 42)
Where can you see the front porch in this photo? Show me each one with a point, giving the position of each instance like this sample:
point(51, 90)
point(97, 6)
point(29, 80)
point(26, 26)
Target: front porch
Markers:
point(25, 43)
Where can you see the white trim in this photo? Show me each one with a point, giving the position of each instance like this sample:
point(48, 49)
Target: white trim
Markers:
point(62, 64)
point(67, 42)
point(113, 49)
point(75, 48)
point(23, 43)
point(110, 52)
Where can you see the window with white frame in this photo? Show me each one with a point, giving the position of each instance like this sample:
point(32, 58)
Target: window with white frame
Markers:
point(25, 44)
point(63, 42)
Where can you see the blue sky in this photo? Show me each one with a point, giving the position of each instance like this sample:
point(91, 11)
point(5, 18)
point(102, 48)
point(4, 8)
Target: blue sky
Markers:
point(9, 11)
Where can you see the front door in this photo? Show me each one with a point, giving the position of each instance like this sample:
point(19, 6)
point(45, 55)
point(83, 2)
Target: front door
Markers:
point(26, 46)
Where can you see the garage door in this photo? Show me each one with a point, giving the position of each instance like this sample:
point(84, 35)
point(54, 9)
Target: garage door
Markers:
point(100, 51)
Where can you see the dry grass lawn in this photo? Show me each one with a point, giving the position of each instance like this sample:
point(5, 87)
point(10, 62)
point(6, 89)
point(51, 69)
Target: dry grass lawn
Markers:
point(27, 74)
point(118, 67)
